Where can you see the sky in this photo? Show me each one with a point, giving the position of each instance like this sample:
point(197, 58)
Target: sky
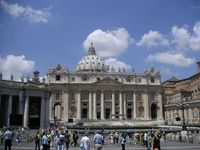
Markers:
point(130, 34)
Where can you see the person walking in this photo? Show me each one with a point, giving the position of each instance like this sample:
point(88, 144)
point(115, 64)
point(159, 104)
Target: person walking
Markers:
point(67, 140)
point(8, 135)
point(45, 143)
point(85, 142)
point(98, 138)
point(123, 141)
point(37, 140)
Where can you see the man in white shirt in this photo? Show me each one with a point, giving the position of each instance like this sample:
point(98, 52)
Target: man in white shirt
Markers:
point(85, 142)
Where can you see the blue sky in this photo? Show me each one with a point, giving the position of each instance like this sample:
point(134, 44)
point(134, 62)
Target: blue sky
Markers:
point(133, 34)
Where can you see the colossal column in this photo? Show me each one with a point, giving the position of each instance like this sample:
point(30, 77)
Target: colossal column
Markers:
point(26, 111)
point(78, 105)
point(42, 112)
point(9, 110)
point(21, 107)
point(146, 105)
point(90, 105)
point(160, 113)
point(94, 106)
point(102, 105)
point(66, 105)
point(125, 105)
point(134, 106)
point(120, 105)
point(113, 105)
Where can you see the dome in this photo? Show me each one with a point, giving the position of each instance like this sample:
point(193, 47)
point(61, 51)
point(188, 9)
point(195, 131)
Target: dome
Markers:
point(91, 62)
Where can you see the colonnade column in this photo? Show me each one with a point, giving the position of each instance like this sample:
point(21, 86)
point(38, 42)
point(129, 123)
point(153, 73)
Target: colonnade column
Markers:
point(9, 110)
point(113, 105)
point(94, 106)
point(79, 105)
point(134, 106)
point(146, 105)
point(0, 101)
point(120, 105)
point(90, 105)
point(125, 105)
point(66, 105)
point(102, 106)
point(42, 112)
point(160, 114)
point(47, 103)
point(52, 113)
point(26, 112)
point(21, 106)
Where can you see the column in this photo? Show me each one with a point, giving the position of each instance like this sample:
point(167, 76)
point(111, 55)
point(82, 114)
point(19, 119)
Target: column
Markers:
point(125, 105)
point(78, 105)
point(120, 105)
point(51, 113)
point(21, 106)
point(160, 112)
point(134, 106)
point(9, 110)
point(94, 106)
point(90, 105)
point(47, 110)
point(146, 106)
point(66, 106)
point(26, 111)
point(113, 104)
point(42, 112)
point(0, 104)
point(102, 106)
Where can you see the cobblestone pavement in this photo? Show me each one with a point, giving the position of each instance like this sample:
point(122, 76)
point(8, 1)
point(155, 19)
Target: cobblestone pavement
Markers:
point(167, 145)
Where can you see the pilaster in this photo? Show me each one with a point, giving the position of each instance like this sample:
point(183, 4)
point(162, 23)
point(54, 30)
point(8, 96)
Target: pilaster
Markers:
point(66, 106)
point(113, 105)
point(94, 106)
point(26, 112)
point(90, 105)
point(120, 105)
point(78, 105)
point(102, 106)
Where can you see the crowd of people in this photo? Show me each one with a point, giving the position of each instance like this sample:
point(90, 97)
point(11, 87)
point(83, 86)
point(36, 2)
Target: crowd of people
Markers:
point(60, 138)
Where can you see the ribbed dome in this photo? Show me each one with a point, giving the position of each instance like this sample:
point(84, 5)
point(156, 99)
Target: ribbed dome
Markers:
point(91, 62)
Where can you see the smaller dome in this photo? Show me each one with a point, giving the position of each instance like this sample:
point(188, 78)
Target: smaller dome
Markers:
point(91, 62)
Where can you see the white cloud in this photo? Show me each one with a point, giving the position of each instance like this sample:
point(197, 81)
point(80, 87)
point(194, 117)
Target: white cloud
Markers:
point(16, 65)
point(176, 59)
point(109, 43)
point(185, 40)
point(113, 62)
point(153, 39)
point(28, 13)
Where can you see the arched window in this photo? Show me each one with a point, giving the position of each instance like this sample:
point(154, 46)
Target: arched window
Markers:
point(141, 111)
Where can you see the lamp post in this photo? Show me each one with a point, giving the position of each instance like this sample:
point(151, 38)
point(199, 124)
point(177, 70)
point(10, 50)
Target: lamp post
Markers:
point(183, 104)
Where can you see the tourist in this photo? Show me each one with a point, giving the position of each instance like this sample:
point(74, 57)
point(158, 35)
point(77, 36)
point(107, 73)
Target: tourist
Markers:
point(75, 138)
point(61, 142)
point(145, 140)
point(98, 139)
point(8, 135)
point(156, 141)
point(116, 137)
point(45, 143)
point(85, 142)
point(123, 141)
point(37, 140)
point(67, 140)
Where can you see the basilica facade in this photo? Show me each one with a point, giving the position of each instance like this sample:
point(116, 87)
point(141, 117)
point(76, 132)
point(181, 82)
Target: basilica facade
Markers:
point(96, 92)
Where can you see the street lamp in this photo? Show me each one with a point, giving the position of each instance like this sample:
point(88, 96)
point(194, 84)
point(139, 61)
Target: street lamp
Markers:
point(183, 104)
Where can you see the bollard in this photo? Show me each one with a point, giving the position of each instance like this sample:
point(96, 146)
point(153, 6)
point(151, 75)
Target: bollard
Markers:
point(190, 138)
point(173, 137)
point(177, 137)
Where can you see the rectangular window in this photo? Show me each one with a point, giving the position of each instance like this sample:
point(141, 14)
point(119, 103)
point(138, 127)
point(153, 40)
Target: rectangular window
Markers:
point(57, 77)
point(139, 80)
point(84, 78)
point(152, 80)
point(98, 79)
point(73, 79)
point(58, 96)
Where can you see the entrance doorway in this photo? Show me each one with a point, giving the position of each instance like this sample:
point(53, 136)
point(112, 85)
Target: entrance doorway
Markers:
point(84, 113)
point(153, 111)
point(107, 113)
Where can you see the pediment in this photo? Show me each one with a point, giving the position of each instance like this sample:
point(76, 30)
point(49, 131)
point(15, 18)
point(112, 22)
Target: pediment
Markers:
point(107, 81)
